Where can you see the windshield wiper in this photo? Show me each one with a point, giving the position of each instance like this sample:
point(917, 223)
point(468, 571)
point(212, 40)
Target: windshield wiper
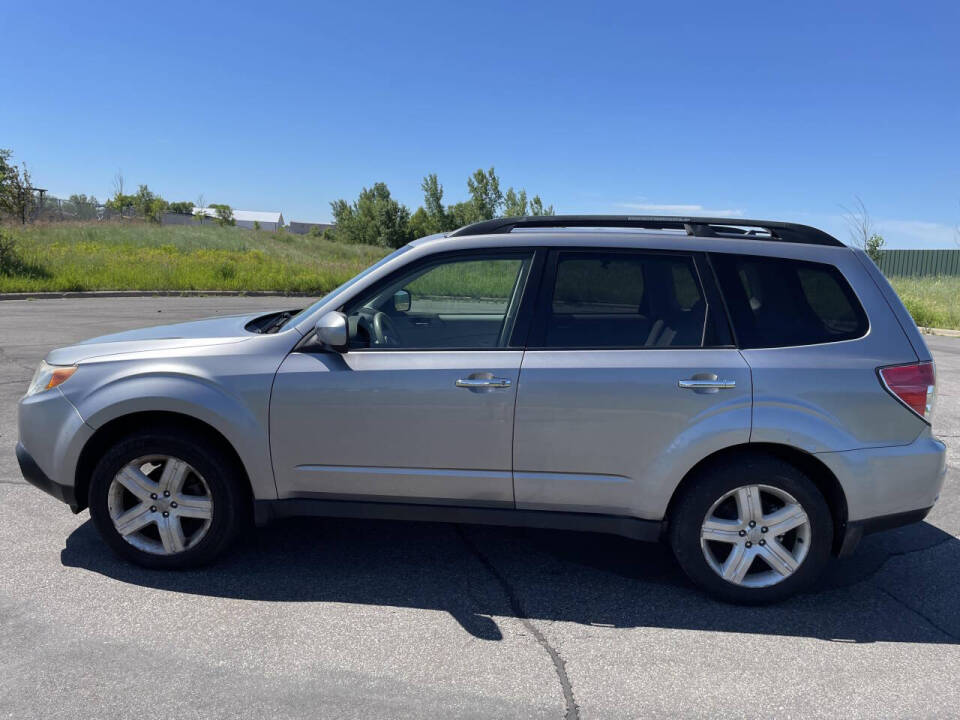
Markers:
point(278, 322)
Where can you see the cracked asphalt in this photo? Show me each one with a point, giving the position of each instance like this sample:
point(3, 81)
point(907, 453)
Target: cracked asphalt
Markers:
point(372, 619)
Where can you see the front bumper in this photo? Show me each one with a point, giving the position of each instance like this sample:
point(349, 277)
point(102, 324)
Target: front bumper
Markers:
point(38, 478)
point(52, 436)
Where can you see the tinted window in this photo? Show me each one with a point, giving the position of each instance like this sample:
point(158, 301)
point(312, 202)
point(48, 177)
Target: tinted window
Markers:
point(625, 300)
point(458, 302)
point(775, 302)
point(464, 288)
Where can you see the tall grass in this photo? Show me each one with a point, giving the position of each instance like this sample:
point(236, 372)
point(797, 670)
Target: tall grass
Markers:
point(932, 301)
point(139, 256)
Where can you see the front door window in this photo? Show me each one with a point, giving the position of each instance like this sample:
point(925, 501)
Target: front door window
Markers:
point(468, 303)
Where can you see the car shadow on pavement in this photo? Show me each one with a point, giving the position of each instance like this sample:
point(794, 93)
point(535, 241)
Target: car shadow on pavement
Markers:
point(888, 591)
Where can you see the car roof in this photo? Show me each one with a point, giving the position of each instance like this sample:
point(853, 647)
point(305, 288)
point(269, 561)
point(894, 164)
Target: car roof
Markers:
point(689, 225)
point(667, 240)
point(667, 232)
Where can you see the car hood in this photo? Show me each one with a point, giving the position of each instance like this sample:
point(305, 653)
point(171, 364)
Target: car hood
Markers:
point(210, 331)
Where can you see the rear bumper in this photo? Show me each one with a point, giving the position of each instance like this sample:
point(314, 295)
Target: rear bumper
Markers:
point(887, 487)
point(889, 481)
point(855, 530)
point(38, 478)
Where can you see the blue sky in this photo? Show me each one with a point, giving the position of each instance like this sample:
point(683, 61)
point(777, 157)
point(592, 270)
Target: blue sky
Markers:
point(769, 109)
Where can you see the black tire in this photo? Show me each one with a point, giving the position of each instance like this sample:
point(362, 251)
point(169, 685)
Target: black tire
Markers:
point(714, 482)
point(218, 470)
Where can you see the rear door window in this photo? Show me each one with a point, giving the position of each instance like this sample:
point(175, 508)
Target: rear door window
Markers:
point(625, 300)
point(779, 302)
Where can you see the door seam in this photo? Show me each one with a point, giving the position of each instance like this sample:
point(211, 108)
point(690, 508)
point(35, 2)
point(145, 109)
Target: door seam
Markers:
point(513, 431)
point(753, 392)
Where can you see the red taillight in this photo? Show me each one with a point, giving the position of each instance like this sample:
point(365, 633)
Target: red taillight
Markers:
point(913, 385)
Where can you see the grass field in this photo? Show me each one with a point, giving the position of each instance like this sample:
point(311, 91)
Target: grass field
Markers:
point(932, 301)
point(138, 256)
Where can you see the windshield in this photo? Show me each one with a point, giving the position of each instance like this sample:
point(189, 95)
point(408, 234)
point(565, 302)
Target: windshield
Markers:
point(356, 278)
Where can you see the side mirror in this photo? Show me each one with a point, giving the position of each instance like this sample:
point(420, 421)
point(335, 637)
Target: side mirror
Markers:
point(401, 301)
point(332, 331)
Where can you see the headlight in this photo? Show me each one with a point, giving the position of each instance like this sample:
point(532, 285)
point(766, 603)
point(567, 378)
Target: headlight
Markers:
point(49, 376)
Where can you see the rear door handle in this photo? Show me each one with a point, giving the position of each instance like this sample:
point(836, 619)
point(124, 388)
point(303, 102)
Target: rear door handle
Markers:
point(693, 384)
point(473, 383)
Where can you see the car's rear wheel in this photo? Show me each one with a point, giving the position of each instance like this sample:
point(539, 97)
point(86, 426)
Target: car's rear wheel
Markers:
point(165, 500)
point(752, 530)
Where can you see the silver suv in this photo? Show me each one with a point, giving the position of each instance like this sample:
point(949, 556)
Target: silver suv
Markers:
point(752, 392)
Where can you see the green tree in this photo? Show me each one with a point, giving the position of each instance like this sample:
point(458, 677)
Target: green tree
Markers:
point(155, 208)
point(874, 247)
point(374, 218)
point(149, 205)
point(420, 224)
point(84, 207)
point(515, 203)
point(5, 156)
point(537, 208)
point(861, 229)
point(22, 200)
point(432, 217)
point(120, 203)
point(439, 219)
point(17, 196)
point(486, 202)
point(183, 207)
point(142, 199)
point(485, 194)
point(463, 213)
point(7, 170)
point(224, 214)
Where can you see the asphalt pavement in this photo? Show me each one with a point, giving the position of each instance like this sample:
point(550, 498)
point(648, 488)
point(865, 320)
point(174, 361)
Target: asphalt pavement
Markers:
point(370, 619)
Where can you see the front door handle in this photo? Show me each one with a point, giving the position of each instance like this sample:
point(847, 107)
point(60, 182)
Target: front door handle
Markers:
point(698, 384)
point(483, 383)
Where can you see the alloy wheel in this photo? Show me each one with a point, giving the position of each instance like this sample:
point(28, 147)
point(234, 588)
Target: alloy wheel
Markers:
point(160, 504)
point(755, 536)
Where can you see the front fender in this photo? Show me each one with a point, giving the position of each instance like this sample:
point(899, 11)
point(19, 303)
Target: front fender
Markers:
point(237, 407)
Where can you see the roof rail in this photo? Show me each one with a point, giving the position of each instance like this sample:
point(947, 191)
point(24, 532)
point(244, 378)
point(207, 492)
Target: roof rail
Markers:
point(698, 226)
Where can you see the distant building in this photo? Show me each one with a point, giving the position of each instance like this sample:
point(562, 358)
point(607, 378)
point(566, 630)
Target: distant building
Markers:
point(246, 218)
point(304, 228)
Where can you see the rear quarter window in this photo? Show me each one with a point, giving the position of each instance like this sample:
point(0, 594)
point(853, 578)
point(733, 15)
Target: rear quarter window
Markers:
point(779, 302)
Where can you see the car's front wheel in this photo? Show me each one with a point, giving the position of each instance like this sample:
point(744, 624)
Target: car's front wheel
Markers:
point(752, 530)
point(164, 500)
